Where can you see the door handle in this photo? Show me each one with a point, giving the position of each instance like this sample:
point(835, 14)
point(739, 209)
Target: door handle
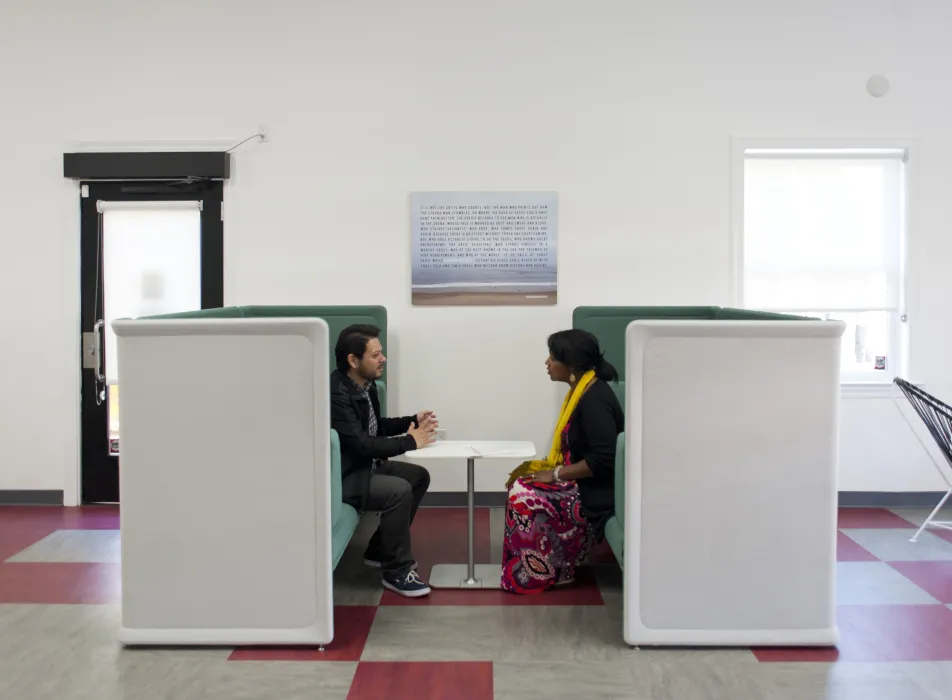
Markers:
point(97, 329)
point(92, 351)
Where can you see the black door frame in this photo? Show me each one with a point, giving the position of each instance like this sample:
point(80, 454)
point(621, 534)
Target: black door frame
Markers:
point(99, 471)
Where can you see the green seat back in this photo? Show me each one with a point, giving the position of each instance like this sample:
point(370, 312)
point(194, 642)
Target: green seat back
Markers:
point(729, 314)
point(337, 318)
point(382, 395)
point(223, 312)
point(609, 323)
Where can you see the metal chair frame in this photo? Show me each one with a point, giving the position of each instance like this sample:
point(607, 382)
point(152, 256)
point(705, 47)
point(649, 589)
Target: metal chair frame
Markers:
point(938, 419)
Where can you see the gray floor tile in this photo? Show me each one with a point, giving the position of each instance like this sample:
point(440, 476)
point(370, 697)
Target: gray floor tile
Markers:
point(684, 675)
point(565, 634)
point(41, 633)
point(842, 681)
point(265, 681)
point(540, 680)
point(917, 516)
point(71, 651)
point(934, 678)
point(136, 676)
point(118, 679)
point(698, 676)
point(894, 545)
point(38, 634)
point(73, 546)
point(876, 583)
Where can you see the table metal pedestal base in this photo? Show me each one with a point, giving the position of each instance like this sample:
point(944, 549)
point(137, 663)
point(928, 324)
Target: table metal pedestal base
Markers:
point(469, 575)
point(485, 576)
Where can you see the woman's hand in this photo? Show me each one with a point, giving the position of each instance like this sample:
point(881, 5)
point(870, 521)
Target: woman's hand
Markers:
point(545, 477)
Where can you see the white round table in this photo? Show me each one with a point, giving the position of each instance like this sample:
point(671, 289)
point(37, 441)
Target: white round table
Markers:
point(470, 575)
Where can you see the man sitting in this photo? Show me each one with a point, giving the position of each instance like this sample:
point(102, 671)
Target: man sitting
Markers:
point(367, 442)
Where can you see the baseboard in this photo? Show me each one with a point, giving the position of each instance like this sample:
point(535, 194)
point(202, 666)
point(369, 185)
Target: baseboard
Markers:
point(497, 499)
point(847, 499)
point(457, 499)
point(51, 497)
point(890, 499)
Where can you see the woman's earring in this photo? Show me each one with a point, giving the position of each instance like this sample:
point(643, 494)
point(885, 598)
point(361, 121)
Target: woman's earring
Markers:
point(571, 377)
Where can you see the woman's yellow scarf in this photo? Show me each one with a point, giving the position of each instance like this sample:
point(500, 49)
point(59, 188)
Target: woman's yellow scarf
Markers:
point(555, 451)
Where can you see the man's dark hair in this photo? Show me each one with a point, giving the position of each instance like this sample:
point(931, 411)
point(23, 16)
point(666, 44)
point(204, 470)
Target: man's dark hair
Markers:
point(353, 341)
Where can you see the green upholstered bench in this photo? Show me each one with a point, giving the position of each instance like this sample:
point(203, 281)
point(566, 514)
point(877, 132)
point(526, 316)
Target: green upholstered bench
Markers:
point(614, 528)
point(609, 324)
point(344, 517)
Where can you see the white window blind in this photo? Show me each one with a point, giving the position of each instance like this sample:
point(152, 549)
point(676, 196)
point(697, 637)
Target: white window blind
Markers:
point(823, 230)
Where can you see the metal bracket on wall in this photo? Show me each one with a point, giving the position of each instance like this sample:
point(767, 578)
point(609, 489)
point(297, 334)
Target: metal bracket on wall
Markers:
point(91, 350)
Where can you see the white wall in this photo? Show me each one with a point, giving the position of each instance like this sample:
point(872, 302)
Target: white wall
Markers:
point(626, 109)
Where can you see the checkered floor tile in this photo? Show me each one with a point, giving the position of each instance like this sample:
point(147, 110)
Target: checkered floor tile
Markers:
point(59, 609)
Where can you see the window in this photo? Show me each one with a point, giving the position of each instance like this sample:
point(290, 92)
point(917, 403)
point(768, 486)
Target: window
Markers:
point(823, 235)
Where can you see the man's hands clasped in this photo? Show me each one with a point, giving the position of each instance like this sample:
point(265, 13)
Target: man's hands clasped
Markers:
point(423, 429)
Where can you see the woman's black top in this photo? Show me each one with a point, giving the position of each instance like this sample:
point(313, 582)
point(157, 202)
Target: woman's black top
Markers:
point(592, 434)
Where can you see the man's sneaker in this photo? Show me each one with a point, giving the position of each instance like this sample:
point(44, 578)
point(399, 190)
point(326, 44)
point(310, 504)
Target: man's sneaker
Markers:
point(409, 585)
point(376, 564)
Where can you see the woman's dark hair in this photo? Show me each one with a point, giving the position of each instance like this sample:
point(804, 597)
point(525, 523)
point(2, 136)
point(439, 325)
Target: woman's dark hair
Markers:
point(579, 350)
point(353, 341)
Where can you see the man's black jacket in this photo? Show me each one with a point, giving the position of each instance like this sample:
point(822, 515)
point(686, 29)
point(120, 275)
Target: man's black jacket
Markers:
point(350, 417)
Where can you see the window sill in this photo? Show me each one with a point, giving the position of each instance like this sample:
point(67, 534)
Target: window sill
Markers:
point(870, 390)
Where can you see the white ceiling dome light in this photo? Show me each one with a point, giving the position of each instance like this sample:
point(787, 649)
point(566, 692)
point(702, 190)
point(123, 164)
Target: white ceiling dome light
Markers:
point(877, 85)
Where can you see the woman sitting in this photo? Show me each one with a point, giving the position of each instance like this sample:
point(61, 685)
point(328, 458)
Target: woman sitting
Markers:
point(558, 507)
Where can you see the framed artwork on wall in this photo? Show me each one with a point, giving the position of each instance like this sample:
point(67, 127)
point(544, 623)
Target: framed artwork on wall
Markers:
point(484, 248)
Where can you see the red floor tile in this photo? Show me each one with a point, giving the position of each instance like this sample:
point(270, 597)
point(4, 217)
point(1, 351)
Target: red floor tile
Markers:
point(583, 592)
point(468, 680)
point(882, 633)
point(848, 550)
point(796, 654)
point(14, 540)
point(352, 625)
point(439, 536)
point(60, 518)
point(12, 516)
point(934, 577)
point(22, 526)
point(870, 518)
point(59, 583)
point(91, 518)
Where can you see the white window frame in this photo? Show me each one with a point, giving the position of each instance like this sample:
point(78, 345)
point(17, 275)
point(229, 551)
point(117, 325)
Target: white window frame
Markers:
point(862, 383)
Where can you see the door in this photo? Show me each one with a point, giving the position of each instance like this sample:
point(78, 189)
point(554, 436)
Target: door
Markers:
point(147, 248)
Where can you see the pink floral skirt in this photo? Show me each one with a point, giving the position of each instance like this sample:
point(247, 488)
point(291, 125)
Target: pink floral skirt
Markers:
point(547, 536)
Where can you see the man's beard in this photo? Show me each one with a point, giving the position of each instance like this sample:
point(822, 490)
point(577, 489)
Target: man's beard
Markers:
point(368, 374)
